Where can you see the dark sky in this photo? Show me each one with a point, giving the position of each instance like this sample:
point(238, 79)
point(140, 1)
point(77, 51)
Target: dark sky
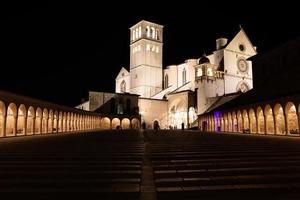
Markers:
point(59, 51)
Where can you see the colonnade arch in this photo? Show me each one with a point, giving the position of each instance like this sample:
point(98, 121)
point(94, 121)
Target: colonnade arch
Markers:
point(279, 118)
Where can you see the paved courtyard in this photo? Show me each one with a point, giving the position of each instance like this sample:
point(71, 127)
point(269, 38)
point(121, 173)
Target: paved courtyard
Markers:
point(149, 165)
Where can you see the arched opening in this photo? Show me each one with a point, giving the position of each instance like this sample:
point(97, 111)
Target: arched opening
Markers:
point(38, 119)
point(166, 83)
point(60, 122)
point(183, 76)
point(222, 123)
point(125, 123)
point(105, 123)
point(260, 121)
point(11, 120)
point(235, 124)
point(225, 122)
point(45, 121)
point(269, 120)
point(135, 123)
point(71, 128)
point(76, 122)
point(55, 122)
point(81, 122)
point(192, 116)
point(123, 86)
point(30, 121)
point(156, 125)
point(50, 122)
point(291, 118)
point(68, 122)
point(21, 120)
point(240, 121)
point(115, 123)
point(246, 121)
point(253, 128)
point(65, 122)
point(178, 113)
point(229, 122)
point(279, 120)
point(2, 119)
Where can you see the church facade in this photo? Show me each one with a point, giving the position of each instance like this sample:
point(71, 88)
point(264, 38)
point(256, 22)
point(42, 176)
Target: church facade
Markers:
point(178, 93)
point(175, 95)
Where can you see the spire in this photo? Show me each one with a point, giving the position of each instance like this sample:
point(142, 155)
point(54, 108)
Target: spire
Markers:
point(240, 26)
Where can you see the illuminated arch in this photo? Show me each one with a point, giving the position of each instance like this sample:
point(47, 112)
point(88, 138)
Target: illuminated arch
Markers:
point(245, 120)
point(38, 121)
point(240, 121)
point(55, 122)
point(50, 121)
point(252, 117)
point(11, 120)
point(260, 121)
point(280, 128)
point(291, 118)
point(2, 118)
point(269, 119)
point(125, 123)
point(105, 123)
point(115, 123)
point(45, 121)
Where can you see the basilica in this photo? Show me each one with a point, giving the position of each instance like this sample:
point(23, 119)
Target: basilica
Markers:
point(173, 96)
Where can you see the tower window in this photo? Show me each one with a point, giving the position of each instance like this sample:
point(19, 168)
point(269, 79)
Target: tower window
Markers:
point(153, 32)
point(148, 31)
point(156, 49)
point(157, 34)
point(183, 76)
point(166, 84)
point(133, 35)
point(140, 31)
point(136, 33)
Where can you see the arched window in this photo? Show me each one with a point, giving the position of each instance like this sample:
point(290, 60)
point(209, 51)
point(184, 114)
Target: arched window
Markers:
point(166, 85)
point(140, 31)
point(123, 86)
point(153, 32)
point(157, 34)
point(148, 31)
point(183, 76)
point(133, 35)
point(136, 33)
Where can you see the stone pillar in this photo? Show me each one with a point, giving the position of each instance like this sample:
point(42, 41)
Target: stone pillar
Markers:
point(265, 123)
point(275, 123)
point(15, 126)
point(25, 125)
point(33, 125)
point(3, 125)
point(286, 123)
point(298, 117)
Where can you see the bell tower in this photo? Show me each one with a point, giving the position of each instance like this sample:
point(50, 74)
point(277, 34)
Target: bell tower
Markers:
point(146, 42)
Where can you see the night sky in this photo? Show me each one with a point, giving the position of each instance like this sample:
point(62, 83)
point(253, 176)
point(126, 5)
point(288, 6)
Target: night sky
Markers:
point(59, 51)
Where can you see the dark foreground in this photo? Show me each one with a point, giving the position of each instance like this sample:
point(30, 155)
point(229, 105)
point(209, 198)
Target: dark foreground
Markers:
point(152, 165)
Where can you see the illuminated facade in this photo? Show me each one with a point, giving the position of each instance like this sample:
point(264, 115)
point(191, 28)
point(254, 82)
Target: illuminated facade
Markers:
point(178, 93)
point(272, 107)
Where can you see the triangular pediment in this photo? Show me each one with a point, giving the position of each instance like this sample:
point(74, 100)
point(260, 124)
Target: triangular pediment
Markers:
point(123, 72)
point(241, 43)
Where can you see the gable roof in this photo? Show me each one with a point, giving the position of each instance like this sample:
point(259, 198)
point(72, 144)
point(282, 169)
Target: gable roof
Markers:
point(123, 70)
point(241, 36)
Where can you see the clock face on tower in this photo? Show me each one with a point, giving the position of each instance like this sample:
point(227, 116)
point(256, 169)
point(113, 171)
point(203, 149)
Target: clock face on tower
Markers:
point(242, 65)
